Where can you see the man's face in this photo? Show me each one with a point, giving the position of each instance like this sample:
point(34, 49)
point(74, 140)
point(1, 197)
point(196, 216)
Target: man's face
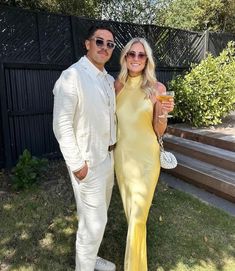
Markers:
point(99, 48)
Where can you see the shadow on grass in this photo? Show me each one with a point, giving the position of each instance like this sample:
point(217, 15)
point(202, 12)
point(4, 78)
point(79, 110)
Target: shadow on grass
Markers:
point(38, 227)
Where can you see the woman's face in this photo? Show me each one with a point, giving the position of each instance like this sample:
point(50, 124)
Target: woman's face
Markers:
point(136, 59)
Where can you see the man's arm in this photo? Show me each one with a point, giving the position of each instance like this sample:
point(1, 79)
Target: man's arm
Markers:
point(65, 102)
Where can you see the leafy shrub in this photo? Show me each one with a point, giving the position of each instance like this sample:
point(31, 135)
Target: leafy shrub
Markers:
point(206, 94)
point(27, 170)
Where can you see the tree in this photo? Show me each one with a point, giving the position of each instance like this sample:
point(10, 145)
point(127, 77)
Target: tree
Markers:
point(133, 11)
point(227, 16)
point(215, 15)
point(36, 4)
point(87, 8)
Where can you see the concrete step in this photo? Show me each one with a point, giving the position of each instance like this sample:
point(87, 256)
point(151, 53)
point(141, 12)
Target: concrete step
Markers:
point(212, 178)
point(203, 152)
point(219, 140)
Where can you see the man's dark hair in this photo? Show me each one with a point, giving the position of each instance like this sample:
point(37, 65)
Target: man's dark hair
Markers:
point(96, 27)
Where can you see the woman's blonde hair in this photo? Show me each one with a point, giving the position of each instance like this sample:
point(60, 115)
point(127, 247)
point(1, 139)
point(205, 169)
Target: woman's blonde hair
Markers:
point(149, 76)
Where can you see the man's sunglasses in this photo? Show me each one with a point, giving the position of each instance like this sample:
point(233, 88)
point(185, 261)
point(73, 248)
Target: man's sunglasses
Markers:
point(101, 43)
point(133, 55)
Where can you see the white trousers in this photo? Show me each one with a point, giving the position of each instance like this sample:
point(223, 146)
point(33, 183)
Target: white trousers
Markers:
point(92, 196)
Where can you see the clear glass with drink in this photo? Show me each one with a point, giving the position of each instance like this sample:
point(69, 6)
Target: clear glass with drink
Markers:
point(164, 97)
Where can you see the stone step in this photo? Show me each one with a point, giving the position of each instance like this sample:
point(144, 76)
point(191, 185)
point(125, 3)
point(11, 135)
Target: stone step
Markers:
point(203, 152)
point(212, 178)
point(219, 140)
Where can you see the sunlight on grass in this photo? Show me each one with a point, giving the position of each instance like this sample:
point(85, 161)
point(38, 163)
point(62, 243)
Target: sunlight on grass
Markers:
point(23, 268)
point(24, 235)
point(38, 231)
point(7, 207)
point(5, 240)
point(68, 231)
point(47, 242)
point(8, 254)
point(203, 265)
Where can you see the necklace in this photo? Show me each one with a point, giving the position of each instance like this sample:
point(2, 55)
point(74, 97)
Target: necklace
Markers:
point(107, 92)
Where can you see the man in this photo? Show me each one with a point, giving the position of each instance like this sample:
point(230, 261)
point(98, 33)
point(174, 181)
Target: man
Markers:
point(83, 123)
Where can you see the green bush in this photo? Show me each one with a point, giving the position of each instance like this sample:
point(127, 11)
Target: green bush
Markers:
point(206, 94)
point(27, 170)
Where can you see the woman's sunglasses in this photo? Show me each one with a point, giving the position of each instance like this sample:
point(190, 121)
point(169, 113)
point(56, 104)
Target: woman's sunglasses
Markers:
point(133, 55)
point(101, 43)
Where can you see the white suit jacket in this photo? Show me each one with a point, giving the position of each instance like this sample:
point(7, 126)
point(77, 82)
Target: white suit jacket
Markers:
point(83, 115)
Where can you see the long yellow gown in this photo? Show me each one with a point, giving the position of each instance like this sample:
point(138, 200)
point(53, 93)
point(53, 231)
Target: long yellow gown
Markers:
point(137, 167)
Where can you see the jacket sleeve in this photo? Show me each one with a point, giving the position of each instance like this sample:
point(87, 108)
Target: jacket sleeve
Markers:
point(65, 103)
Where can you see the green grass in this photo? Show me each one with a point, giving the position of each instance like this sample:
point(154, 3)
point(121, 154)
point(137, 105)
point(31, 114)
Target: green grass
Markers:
point(37, 231)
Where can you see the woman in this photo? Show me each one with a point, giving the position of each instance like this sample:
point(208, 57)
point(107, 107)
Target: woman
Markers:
point(136, 154)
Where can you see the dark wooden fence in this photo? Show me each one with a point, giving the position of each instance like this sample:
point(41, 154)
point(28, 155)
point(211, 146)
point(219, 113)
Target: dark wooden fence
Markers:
point(34, 49)
point(27, 109)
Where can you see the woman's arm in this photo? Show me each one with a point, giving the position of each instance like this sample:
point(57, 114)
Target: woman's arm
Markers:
point(160, 88)
point(160, 124)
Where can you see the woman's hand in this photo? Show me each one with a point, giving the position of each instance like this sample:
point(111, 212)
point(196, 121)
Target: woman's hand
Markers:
point(161, 108)
point(168, 106)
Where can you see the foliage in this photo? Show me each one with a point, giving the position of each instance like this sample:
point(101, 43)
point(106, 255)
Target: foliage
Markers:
point(36, 4)
point(216, 15)
point(132, 11)
point(88, 8)
point(27, 170)
point(206, 94)
point(135, 11)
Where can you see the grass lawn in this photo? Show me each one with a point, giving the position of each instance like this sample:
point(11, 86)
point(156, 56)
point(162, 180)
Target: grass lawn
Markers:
point(37, 230)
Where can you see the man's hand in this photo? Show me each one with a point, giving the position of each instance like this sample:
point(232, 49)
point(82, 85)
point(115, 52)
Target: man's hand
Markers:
point(81, 174)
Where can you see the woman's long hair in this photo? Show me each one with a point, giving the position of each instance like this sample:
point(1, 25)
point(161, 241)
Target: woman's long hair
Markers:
point(149, 76)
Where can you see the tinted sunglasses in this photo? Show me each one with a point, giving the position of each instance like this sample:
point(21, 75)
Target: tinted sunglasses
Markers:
point(133, 55)
point(101, 43)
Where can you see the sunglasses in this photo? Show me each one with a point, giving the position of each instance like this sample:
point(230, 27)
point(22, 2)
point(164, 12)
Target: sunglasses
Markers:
point(133, 55)
point(101, 43)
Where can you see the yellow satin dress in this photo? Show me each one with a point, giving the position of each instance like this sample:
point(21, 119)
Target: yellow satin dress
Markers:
point(137, 167)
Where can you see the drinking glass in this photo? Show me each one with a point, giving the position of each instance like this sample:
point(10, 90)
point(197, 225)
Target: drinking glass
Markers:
point(165, 97)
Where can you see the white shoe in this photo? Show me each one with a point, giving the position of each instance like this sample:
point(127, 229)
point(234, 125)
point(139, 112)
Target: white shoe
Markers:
point(104, 265)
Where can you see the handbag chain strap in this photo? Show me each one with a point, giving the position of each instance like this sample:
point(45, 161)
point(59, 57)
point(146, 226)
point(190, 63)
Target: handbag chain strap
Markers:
point(160, 141)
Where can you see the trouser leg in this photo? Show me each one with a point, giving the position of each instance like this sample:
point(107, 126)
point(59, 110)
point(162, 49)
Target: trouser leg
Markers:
point(110, 181)
point(91, 201)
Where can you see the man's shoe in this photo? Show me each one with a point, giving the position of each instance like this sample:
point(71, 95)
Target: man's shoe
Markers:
point(104, 265)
